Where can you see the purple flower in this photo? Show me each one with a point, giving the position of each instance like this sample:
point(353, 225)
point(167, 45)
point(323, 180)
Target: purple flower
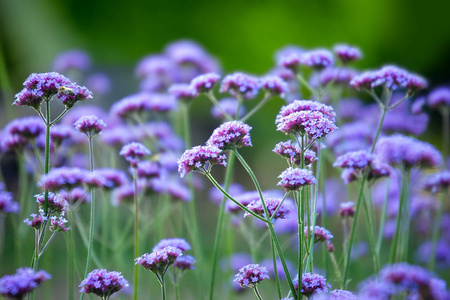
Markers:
point(26, 127)
point(183, 92)
point(133, 152)
point(113, 177)
point(230, 106)
point(230, 135)
point(56, 203)
point(347, 53)
point(240, 84)
point(274, 85)
point(408, 151)
point(185, 262)
point(99, 83)
point(118, 136)
point(320, 234)
point(333, 75)
point(256, 206)
point(350, 137)
point(342, 295)
point(216, 196)
point(62, 133)
point(293, 179)
point(356, 159)
point(293, 153)
point(401, 120)
point(7, 203)
point(245, 198)
point(347, 209)
point(179, 191)
point(97, 180)
point(251, 275)
point(124, 193)
point(75, 195)
point(143, 102)
point(438, 181)
point(148, 169)
point(439, 97)
point(62, 178)
point(160, 260)
point(90, 125)
point(311, 284)
point(424, 252)
point(73, 93)
point(198, 157)
point(103, 283)
point(317, 59)
point(311, 122)
point(58, 224)
point(22, 282)
point(71, 60)
point(178, 243)
point(289, 57)
point(306, 105)
point(204, 83)
point(36, 221)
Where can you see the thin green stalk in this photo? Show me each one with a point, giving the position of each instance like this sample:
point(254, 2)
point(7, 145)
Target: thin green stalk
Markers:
point(163, 287)
point(437, 230)
point(267, 96)
point(47, 152)
point(70, 264)
point(136, 234)
point(370, 228)
point(407, 220)
point(323, 215)
point(382, 219)
point(258, 296)
point(394, 247)
point(214, 101)
point(306, 84)
point(218, 235)
point(274, 259)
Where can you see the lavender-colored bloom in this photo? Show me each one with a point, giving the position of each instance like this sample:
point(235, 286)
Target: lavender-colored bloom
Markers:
point(22, 282)
point(350, 137)
point(289, 57)
point(26, 127)
point(58, 224)
point(307, 106)
point(333, 75)
point(89, 125)
point(124, 193)
point(356, 159)
point(236, 261)
point(99, 83)
point(160, 260)
point(408, 151)
point(311, 284)
point(62, 133)
point(245, 198)
point(178, 243)
point(347, 53)
point(424, 252)
point(293, 179)
point(311, 122)
point(272, 204)
point(11, 142)
point(7, 203)
point(274, 85)
point(75, 195)
point(157, 66)
point(103, 283)
point(439, 97)
point(417, 106)
point(337, 295)
point(97, 180)
point(183, 92)
point(76, 113)
point(438, 181)
point(375, 290)
point(114, 177)
point(239, 83)
point(36, 220)
point(204, 83)
point(148, 169)
point(71, 60)
point(73, 93)
point(320, 234)
point(230, 106)
point(179, 191)
point(197, 158)
point(133, 152)
point(230, 135)
point(56, 203)
point(62, 178)
point(347, 209)
point(250, 275)
point(317, 59)
point(185, 262)
point(143, 102)
point(118, 136)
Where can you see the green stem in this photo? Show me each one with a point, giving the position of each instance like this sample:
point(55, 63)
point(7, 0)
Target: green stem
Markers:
point(436, 230)
point(274, 258)
point(382, 219)
point(218, 236)
point(407, 221)
point(214, 101)
point(136, 234)
point(394, 247)
point(267, 96)
point(258, 296)
point(370, 228)
point(305, 83)
point(47, 152)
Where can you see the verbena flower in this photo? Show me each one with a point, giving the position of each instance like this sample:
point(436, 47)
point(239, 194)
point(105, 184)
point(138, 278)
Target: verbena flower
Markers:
point(62, 178)
point(56, 203)
point(143, 102)
point(293, 179)
point(26, 127)
point(306, 122)
point(350, 137)
point(439, 97)
point(317, 59)
point(347, 209)
point(36, 220)
point(311, 284)
point(356, 159)
point(148, 169)
point(7, 203)
point(320, 234)
point(134, 152)
point(75, 195)
point(58, 224)
point(347, 53)
point(401, 120)
point(178, 243)
point(274, 85)
point(250, 275)
point(160, 260)
point(114, 177)
point(408, 151)
point(185, 262)
point(306, 105)
point(99, 83)
point(62, 134)
point(292, 152)
point(230, 106)
point(179, 191)
point(124, 193)
point(438, 181)
point(22, 282)
point(341, 76)
point(154, 66)
point(239, 83)
point(256, 206)
point(183, 92)
point(229, 135)
point(204, 83)
point(71, 60)
point(199, 157)
point(103, 283)
point(342, 295)
point(95, 179)
point(90, 125)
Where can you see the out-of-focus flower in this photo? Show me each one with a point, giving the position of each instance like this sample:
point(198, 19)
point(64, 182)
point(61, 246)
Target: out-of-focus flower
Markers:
point(250, 275)
point(90, 125)
point(134, 152)
point(239, 83)
point(439, 97)
point(71, 60)
point(230, 106)
point(178, 243)
point(347, 53)
point(103, 283)
point(22, 282)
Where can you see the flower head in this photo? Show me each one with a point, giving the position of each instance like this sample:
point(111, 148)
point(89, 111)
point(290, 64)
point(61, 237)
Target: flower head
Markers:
point(90, 125)
point(251, 275)
point(347, 209)
point(306, 105)
point(178, 243)
point(56, 203)
point(310, 122)
point(438, 181)
point(204, 83)
point(62, 178)
point(311, 284)
point(182, 91)
point(356, 159)
point(347, 53)
point(26, 127)
point(342, 295)
point(113, 177)
point(239, 83)
point(439, 97)
point(229, 135)
point(198, 157)
point(293, 153)
point(23, 282)
point(185, 262)
point(7, 203)
point(317, 59)
point(71, 60)
point(103, 283)
point(159, 260)
point(58, 224)
point(36, 221)
point(133, 152)
point(341, 76)
point(274, 85)
point(320, 234)
point(294, 178)
point(99, 83)
point(256, 206)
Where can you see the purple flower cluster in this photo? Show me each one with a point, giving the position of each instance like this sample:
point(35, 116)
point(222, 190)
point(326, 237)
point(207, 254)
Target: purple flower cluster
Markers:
point(320, 234)
point(178, 243)
point(62, 178)
point(36, 220)
point(292, 152)
point(241, 84)
point(408, 151)
point(90, 125)
point(230, 135)
point(356, 159)
point(391, 77)
point(143, 102)
point(293, 179)
point(7, 203)
point(250, 275)
point(58, 224)
point(159, 260)
point(347, 209)
point(20, 133)
point(317, 59)
point(347, 53)
point(71, 60)
point(134, 152)
point(230, 106)
point(333, 75)
point(274, 85)
point(114, 177)
point(103, 283)
point(256, 206)
point(438, 181)
point(439, 97)
point(198, 157)
point(182, 91)
point(305, 105)
point(23, 282)
point(56, 203)
point(311, 284)
point(99, 83)
point(204, 83)
point(185, 262)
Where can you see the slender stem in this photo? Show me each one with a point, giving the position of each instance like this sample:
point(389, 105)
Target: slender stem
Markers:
point(214, 101)
point(279, 206)
point(136, 234)
point(436, 230)
point(407, 221)
point(394, 247)
point(258, 296)
point(218, 236)
point(370, 228)
point(46, 244)
point(274, 258)
point(267, 96)
point(305, 83)
point(382, 219)
point(335, 266)
point(163, 287)
point(60, 116)
point(70, 265)
point(47, 152)
point(2, 232)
